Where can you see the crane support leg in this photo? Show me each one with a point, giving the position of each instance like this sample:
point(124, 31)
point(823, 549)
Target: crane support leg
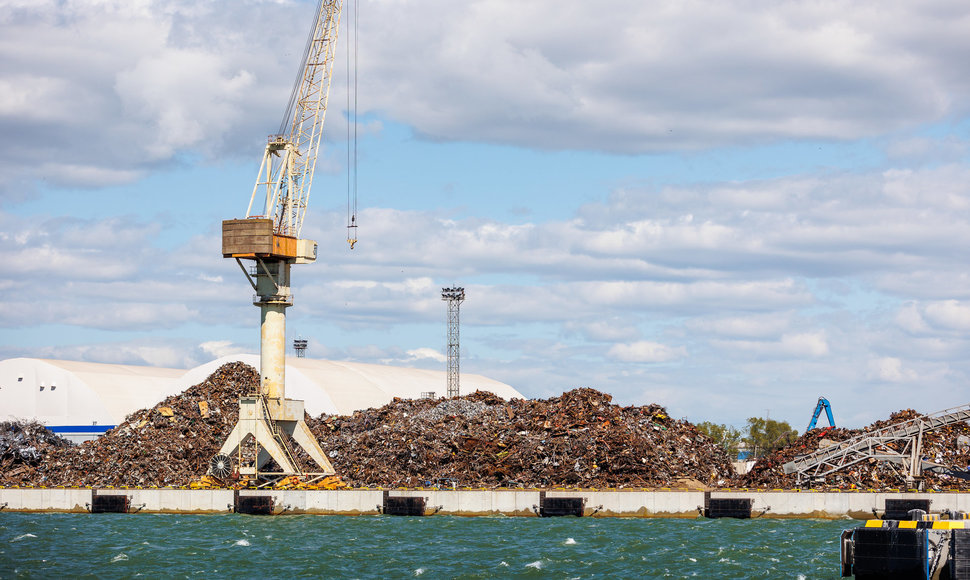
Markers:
point(252, 422)
point(270, 422)
point(304, 437)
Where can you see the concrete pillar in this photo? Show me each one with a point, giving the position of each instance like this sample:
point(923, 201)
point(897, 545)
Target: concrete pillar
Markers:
point(273, 291)
point(272, 350)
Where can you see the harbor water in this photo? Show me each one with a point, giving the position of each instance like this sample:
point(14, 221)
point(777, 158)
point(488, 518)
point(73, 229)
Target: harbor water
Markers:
point(34, 545)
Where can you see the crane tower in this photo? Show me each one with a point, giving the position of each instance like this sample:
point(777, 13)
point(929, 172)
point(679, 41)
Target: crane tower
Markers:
point(270, 240)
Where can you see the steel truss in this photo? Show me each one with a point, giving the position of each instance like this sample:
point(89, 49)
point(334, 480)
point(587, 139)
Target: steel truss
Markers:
point(900, 444)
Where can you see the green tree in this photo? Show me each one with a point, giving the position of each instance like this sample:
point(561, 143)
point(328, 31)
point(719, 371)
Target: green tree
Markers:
point(726, 436)
point(767, 435)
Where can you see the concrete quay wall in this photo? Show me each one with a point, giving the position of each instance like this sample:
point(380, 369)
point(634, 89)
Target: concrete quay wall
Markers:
point(470, 502)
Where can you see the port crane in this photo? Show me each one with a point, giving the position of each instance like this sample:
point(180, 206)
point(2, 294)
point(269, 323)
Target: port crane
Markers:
point(823, 403)
point(269, 238)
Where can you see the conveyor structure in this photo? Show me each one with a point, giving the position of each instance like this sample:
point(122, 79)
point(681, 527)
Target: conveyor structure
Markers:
point(900, 444)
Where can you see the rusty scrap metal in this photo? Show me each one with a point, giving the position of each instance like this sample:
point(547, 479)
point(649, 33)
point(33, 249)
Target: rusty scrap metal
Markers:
point(940, 447)
point(480, 440)
point(579, 439)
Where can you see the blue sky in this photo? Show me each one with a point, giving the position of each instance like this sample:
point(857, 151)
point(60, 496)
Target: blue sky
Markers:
point(725, 208)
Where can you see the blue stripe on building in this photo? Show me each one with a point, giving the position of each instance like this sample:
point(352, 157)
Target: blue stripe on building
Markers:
point(79, 428)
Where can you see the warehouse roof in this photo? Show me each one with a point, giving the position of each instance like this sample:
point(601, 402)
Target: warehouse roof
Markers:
point(340, 388)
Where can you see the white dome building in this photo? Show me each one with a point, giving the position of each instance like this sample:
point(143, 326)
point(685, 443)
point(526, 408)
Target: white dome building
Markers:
point(340, 388)
point(81, 400)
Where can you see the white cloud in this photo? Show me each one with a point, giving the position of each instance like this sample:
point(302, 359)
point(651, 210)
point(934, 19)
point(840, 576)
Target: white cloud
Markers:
point(647, 294)
point(805, 344)
point(645, 351)
point(890, 369)
point(426, 353)
point(924, 149)
point(127, 316)
point(750, 326)
point(951, 314)
point(37, 98)
point(127, 85)
point(74, 248)
point(910, 319)
point(153, 80)
point(932, 279)
point(791, 345)
point(220, 348)
point(835, 70)
point(165, 93)
point(613, 329)
point(929, 191)
point(923, 318)
point(140, 353)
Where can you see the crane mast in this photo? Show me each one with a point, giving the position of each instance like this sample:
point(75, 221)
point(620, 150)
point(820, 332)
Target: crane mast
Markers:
point(272, 241)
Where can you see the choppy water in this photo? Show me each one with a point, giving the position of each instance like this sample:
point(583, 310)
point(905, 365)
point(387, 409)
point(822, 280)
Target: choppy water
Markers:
point(240, 546)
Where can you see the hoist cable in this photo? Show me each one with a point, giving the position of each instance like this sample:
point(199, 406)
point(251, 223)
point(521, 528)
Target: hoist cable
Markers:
point(347, 52)
point(356, 70)
point(352, 140)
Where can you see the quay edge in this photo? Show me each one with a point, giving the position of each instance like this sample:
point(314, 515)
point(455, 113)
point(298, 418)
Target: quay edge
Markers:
point(480, 502)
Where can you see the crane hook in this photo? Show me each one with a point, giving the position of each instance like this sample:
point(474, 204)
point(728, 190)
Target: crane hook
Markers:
point(352, 239)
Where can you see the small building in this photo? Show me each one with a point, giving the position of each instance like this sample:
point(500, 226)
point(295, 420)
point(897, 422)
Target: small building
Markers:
point(81, 400)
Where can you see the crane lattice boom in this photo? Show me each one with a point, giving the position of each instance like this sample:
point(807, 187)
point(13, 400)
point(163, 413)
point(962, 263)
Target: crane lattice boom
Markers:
point(286, 173)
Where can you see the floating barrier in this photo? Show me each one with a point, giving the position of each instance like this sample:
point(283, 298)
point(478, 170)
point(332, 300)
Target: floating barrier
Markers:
point(925, 547)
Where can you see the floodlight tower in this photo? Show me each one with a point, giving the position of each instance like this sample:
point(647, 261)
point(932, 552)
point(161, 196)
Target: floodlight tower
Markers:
point(455, 296)
point(299, 345)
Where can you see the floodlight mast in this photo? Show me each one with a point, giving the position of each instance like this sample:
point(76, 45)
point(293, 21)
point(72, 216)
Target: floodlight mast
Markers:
point(454, 296)
point(270, 237)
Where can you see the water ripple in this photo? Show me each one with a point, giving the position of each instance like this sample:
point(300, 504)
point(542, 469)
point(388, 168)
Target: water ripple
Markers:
point(433, 547)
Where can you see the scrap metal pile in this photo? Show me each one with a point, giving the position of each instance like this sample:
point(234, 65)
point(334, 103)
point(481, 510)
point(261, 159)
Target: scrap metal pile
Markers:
point(23, 445)
point(578, 439)
point(948, 446)
point(480, 440)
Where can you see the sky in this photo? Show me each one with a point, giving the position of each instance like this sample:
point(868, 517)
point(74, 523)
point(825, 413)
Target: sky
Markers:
point(729, 208)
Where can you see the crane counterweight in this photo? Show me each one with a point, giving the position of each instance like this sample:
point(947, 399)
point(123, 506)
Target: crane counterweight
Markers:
point(255, 238)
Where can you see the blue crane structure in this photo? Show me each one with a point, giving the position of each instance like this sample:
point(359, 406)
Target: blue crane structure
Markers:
point(823, 403)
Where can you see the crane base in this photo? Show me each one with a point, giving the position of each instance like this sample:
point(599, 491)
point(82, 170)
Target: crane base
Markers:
point(271, 425)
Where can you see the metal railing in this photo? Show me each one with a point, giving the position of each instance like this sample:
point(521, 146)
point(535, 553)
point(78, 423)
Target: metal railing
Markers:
point(278, 435)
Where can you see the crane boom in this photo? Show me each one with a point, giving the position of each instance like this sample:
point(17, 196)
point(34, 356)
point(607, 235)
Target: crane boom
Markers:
point(286, 172)
point(823, 403)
